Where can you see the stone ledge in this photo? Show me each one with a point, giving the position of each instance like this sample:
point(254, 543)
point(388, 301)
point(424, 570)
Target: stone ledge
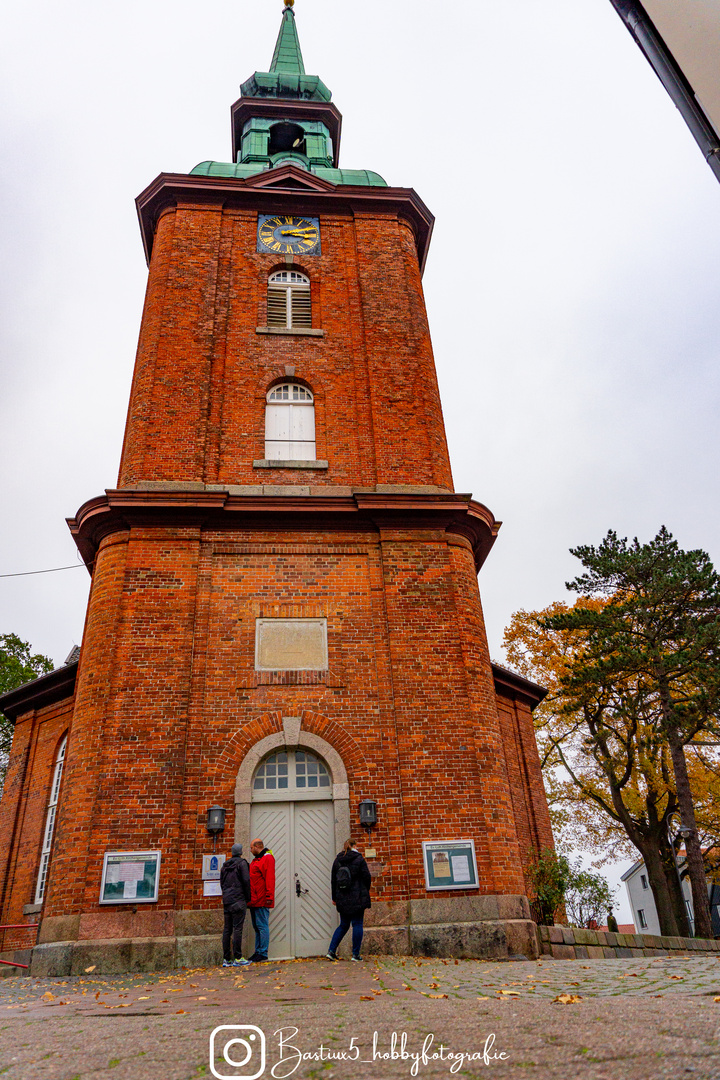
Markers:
point(20, 956)
point(266, 463)
point(290, 331)
point(571, 943)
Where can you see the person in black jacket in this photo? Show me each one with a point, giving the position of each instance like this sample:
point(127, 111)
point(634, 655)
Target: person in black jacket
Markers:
point(350, 883)
point(235, 885)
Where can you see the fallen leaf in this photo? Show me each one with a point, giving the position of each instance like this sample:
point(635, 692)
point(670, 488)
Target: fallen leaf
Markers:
point(509, 993)
point(566, 999)
point(48, 996)
point(176, 991)
point(91, 968)
point(146, 997)
point(483, 997)
point(716, 999)
point(676, 977)
point(202, 998)
point(436, 995)
point(367, 997)
point(179, 1012)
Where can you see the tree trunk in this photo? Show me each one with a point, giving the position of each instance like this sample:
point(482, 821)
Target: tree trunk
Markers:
point(696, 868)
point(658, 883)
point(677, 896)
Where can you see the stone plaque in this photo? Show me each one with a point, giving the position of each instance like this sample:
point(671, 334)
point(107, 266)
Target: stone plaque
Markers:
point(291, 645)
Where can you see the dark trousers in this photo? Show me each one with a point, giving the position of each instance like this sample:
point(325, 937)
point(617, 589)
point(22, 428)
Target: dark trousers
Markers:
point(356, 918)
point(232, 934)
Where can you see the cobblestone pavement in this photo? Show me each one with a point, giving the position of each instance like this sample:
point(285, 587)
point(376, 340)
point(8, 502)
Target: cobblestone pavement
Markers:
point(350, 1019)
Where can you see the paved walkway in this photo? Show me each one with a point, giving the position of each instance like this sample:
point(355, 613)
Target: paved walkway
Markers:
point(625, 1020)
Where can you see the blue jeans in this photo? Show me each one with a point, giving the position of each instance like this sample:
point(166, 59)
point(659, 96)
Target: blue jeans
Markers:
point(357, 924)
point(261, 924)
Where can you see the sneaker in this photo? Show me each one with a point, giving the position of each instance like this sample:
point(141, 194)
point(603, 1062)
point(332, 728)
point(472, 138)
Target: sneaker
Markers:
point(357, 959)
point(331, 956)
point(228, 963)
point(242, 962)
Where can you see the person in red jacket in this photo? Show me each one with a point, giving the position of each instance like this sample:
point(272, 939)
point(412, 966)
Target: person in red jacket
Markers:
point(262, 897)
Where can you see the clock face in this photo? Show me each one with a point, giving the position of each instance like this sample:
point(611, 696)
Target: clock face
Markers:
point(287, 234)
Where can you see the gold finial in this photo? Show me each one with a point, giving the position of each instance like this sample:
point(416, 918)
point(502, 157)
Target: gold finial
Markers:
point(289, 3)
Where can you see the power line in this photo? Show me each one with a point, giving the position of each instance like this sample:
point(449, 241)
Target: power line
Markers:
point(54, 570)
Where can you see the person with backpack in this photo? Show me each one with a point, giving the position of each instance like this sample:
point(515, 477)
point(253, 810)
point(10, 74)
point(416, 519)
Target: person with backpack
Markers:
point(350, 883)
point(235, 885)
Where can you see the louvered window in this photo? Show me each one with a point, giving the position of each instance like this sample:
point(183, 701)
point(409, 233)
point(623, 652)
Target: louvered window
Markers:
point(288, 303)
point(290, 424)
point(50, 823)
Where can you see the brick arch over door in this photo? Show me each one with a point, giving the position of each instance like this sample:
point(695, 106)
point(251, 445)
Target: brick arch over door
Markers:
point(292, 737)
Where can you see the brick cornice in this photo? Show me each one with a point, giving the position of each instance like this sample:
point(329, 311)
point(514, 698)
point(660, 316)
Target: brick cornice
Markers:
point(267, 192)
point(122, 509)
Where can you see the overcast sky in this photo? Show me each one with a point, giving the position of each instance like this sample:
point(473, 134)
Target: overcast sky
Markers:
point(571, 285)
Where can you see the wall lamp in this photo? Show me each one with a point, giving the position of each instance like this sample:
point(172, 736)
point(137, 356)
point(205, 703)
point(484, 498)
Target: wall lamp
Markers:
point(368, 813)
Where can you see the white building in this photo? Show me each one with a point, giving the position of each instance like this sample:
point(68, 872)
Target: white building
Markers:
point(642, 902)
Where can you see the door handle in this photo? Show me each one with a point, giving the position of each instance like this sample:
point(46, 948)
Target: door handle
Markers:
point(298, 887)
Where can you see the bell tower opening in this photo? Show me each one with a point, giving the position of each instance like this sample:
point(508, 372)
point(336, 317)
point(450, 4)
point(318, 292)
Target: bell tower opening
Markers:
point(286, 138)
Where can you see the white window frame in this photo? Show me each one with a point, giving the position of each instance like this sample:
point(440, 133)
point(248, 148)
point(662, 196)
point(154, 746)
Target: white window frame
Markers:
point(50, 816)
point(294, 760)
point(290, 423)
point(293, 289)
point(641, 918)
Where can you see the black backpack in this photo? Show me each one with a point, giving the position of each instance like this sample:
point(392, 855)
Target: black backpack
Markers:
point(344, 878)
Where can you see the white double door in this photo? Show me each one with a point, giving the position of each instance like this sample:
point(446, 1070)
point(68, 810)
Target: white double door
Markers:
point(301, 836)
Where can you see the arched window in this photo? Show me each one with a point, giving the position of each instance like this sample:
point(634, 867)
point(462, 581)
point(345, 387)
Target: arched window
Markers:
point(289, 772)
point(50, 822)
point(290, 424)
point(288, 300)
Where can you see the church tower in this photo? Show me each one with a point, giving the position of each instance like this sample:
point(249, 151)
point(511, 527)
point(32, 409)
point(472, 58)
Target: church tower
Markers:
point(284, 625)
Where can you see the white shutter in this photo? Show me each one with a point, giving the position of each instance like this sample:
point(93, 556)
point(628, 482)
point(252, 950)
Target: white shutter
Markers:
point(277, 307)
point(277, 433)
point(302, 432)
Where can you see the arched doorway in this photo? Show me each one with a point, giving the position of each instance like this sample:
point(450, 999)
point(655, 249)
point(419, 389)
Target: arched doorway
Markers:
point(292, 793)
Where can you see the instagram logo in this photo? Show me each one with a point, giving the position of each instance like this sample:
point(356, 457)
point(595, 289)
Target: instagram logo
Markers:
point(242, 1047)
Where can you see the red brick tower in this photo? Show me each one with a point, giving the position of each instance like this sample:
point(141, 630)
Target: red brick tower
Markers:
point(284, 618)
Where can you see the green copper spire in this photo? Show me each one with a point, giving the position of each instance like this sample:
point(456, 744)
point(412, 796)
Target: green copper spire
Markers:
point(287, 55)
point(293, 125)
point(286, 77)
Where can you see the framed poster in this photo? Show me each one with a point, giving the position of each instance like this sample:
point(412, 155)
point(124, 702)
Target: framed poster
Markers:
point(450, 864)
point(130, 877)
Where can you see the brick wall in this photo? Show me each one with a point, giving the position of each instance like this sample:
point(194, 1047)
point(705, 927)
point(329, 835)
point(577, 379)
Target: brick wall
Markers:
point(167, 699)
point(36, 740)
point(197, 407)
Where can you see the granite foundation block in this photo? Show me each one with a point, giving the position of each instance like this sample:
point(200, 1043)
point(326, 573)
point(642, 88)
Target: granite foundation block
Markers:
point(462, 940)
point(198, 950)
point(51, 960)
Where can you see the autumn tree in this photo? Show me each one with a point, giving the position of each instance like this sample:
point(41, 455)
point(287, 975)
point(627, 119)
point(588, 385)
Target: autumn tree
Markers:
point(656, 640)
point(610, 786)
point(17, 666)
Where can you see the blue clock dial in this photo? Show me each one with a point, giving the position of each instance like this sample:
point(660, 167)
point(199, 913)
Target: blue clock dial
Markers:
point(287, 234)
